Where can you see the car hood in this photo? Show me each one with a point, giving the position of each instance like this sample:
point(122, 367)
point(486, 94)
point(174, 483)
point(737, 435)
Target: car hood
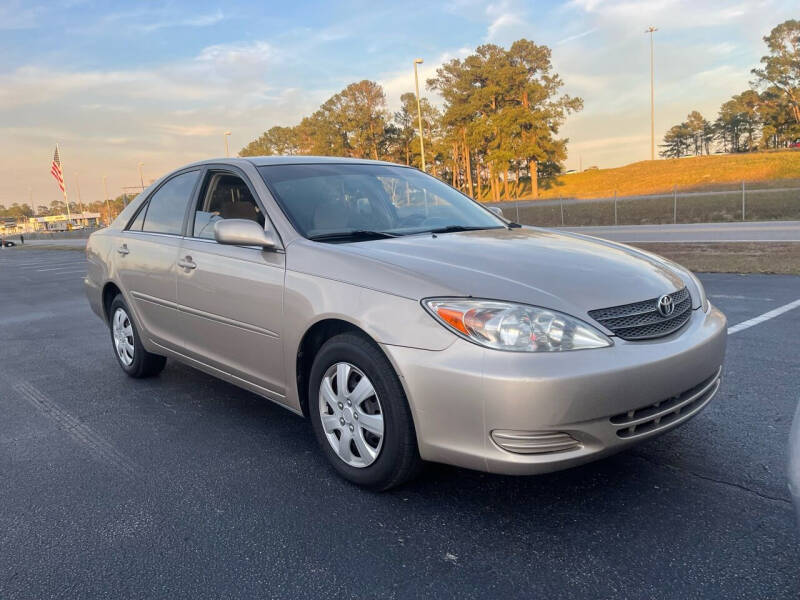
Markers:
point(561, 271)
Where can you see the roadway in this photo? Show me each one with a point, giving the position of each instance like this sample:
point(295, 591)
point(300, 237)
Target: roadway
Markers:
point(183, 486)
point(747, 231)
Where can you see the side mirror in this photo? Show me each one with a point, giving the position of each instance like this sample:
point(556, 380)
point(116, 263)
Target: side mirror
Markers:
point(242, 232)
point(497, 210)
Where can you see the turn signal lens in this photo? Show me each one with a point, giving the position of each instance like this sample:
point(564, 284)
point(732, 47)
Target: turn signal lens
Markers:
point(454, 318)
point(514, 327)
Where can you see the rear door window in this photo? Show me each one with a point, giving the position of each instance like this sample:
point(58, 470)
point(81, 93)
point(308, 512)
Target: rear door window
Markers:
point(166, 208)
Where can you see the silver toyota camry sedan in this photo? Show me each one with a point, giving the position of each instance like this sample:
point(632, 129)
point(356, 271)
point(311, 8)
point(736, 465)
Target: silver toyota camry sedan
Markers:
point(406, 321)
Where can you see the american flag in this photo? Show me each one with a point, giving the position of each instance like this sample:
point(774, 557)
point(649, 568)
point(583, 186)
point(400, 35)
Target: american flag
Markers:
point(55, 170)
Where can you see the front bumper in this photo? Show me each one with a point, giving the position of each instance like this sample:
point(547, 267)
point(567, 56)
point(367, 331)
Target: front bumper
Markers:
point(794, 462)
point(467, 400)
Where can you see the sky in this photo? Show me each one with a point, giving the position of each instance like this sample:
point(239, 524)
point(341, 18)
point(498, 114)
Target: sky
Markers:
point(119, 83)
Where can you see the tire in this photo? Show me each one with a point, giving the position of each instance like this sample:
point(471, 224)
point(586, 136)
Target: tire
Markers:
point(141, 363)
point(386, 463)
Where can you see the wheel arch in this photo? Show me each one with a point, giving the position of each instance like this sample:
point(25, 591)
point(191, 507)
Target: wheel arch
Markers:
point(110, 291)
point(313, 339)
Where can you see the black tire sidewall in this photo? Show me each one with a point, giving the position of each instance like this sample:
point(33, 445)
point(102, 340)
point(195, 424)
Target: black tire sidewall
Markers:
point(370, 360)
point(139, 353)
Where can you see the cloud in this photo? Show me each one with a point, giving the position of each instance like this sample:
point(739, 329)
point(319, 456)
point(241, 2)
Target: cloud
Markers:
point(194, 21)
point(400, 81)
point(508, 21)
point(721, 49)
point(577, 36)
point(501, 21)
point(669, 13)
point(235, 72)
point(190, 130)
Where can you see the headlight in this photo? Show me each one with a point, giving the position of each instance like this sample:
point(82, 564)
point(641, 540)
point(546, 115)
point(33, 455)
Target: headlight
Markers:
point(703, 298)
point(514, 327)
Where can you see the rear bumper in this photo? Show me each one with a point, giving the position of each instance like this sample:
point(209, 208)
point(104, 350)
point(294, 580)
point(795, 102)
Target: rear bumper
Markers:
point(468, 402)
point(95, 297)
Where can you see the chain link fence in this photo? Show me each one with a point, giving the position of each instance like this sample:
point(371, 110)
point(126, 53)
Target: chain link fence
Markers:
point(741, 202)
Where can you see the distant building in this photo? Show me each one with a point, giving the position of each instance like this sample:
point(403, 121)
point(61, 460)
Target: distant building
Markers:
point(59, 222)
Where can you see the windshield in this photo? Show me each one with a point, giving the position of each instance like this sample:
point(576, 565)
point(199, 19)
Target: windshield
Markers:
point(323, 200)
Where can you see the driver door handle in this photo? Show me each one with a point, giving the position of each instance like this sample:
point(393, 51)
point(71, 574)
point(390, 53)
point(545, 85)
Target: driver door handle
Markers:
point(123, 250)
point(187, 263)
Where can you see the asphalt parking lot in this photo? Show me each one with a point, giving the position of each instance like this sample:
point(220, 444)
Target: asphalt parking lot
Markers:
point(184, 486)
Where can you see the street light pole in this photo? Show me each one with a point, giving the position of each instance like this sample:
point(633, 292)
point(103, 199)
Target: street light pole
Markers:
point(418, 61)
point(225, 136)
point(108, 205)
point(141, 178)
point(80, 202)
point(651, 30)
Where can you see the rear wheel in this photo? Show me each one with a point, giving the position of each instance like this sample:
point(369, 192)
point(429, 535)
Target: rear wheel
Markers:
point(360, 414)
point(131, 355)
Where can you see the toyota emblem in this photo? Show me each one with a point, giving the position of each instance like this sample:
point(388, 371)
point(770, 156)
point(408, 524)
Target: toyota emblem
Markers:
point(665, 306)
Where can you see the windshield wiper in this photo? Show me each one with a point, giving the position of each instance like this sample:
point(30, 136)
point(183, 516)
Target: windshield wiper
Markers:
point(449, 228)
point(355, 235)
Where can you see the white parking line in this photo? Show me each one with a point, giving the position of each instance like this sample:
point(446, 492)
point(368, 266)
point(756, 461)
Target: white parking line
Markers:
point(765, 317)
point(734, 297)
point(67, 273)
point(65, 266)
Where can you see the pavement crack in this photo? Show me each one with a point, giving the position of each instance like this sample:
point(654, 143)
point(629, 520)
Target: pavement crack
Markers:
point(732, 484)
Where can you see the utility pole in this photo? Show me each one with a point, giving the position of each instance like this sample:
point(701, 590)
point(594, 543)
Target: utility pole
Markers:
point(225, 135)
point(141, 178)
point(418, 61)
point(651, 30)
point(80, 202)
point(108, 205)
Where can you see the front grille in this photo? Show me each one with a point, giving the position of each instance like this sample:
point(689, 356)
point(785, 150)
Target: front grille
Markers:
point(642, 321)
point(667, 412)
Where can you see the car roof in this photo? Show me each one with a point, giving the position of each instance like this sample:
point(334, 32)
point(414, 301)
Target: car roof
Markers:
point(263, 161)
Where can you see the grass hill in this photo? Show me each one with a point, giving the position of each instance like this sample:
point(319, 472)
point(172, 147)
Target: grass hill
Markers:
point(717, 172)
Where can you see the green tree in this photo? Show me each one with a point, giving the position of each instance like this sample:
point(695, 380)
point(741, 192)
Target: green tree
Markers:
point(702, 132)
point(281, 141)
point(778, 125)
point(357, 118)
point(503, 111)
point(407, 124)
point(738, 123)
point(679, 141)
point(781, 67)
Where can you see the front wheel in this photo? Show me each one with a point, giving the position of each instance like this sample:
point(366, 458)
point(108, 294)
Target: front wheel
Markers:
point(131, 355)
point(360, 414)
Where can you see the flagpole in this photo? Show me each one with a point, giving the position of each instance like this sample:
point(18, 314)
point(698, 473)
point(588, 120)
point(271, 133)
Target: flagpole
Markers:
point(61, 160)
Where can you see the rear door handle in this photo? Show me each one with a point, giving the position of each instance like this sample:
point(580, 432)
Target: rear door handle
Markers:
point(187, 263)
point(123, 250)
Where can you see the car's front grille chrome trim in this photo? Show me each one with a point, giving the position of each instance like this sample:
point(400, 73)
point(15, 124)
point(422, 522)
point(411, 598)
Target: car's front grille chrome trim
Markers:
point(642, 320)
point(667, 413)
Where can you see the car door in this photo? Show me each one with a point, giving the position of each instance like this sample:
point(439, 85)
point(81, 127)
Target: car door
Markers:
point(146, 255)
point(231, 297)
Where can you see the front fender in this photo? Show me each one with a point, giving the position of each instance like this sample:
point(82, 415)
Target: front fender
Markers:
point(386, 318)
